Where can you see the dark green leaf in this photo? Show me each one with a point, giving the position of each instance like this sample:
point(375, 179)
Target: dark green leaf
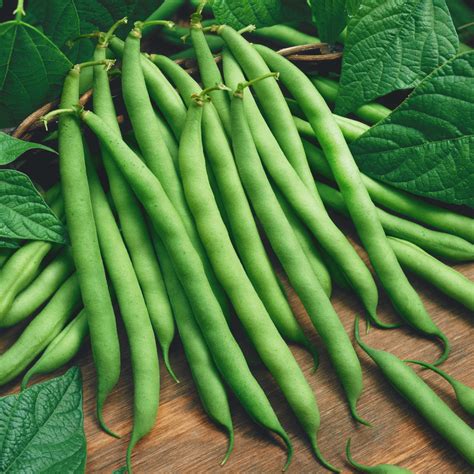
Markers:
point(392, 45)
point(31, 71)
point(23, 212)
point(11, 148)
point(426, 146)
point(9, 243)
point(42, 428)
point(241, 13)
point(330, 17)
point(64, 20)
point(462, 14)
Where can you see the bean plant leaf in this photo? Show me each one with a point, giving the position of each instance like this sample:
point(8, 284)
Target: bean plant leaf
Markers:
point(462, 15)
point(9, 243)
point(392, 45)
point(241, 13)
point(42, 428)
point(23, 212)
point(331, 16)
point(11, 148)
point(32, 69)
point(426, 145)
point(64, 20)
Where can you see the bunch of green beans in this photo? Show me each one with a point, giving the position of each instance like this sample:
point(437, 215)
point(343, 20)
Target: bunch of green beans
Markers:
point(177, 242)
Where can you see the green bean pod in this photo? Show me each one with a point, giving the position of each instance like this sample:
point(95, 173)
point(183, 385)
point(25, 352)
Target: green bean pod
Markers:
point(401, 202)
point(378, 469)
point(85, 247)
point(160, 90)
point(241, 222)
point(464, 394)
point(361, 208)
point(41, 330)
point(370, 113)
point(425, 401)
point(438, 243)
point(250, 310)
point(40, 290)
point(310, 210)
point(440, 275)
point(285, 35)
point(153, 148)
point(61, 349)
point(206, 377)
point(307, 243)
point(209, 71)
point(133, 224)
point(188, 266)
point(23, 267)
point(292, 257)
point(134, 312)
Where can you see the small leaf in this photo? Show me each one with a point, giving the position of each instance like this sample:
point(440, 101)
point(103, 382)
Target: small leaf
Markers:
point(42, 428)
point(23, 212)
point(392, 45)
point(330, 17)
point(241, 13)
point(32, 70)
point(11, 148)
point(426, 145)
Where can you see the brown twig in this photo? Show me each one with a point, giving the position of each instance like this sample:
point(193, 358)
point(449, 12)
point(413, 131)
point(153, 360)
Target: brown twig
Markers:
point(299, 53)
point(32, 122)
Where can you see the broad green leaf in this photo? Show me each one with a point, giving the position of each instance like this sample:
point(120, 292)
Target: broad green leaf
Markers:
point(31, 71)
point(462, 14)
point(65, 20)
point(42, 428)
point(426, 145)
point(11, 148)
point(241, 13)
point(392, 45)
point(331, 17)
point(23, 212)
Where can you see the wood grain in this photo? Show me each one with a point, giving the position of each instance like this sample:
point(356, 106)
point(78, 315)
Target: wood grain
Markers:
point(184, 440)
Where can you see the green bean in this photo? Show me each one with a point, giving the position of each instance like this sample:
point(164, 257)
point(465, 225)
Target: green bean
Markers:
point(292, 257)
point(179, 35)
point(309, 209)
point(400, 201)
point(242, 224)
point(61, 349)
point(425, 401)
point(167, 9)
point(378, 469)
point(443, 277)
point(351, 129)
point(208, 382)
point(307, 243)
point(133, 309)
point(41, 330)
point(208, 69)
point(85, 247)
point(133, 224)
point(371, 113)
point(464, 394)
point(439, 243)
point(40, 290)
point(161, 91)
point(361, 209)
point(284, 34)
point(152, 146)
point(250, 310)
point(188, 266)
point(168, 137)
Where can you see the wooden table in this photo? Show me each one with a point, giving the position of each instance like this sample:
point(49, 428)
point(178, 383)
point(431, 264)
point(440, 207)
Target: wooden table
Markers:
point(185, 440)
